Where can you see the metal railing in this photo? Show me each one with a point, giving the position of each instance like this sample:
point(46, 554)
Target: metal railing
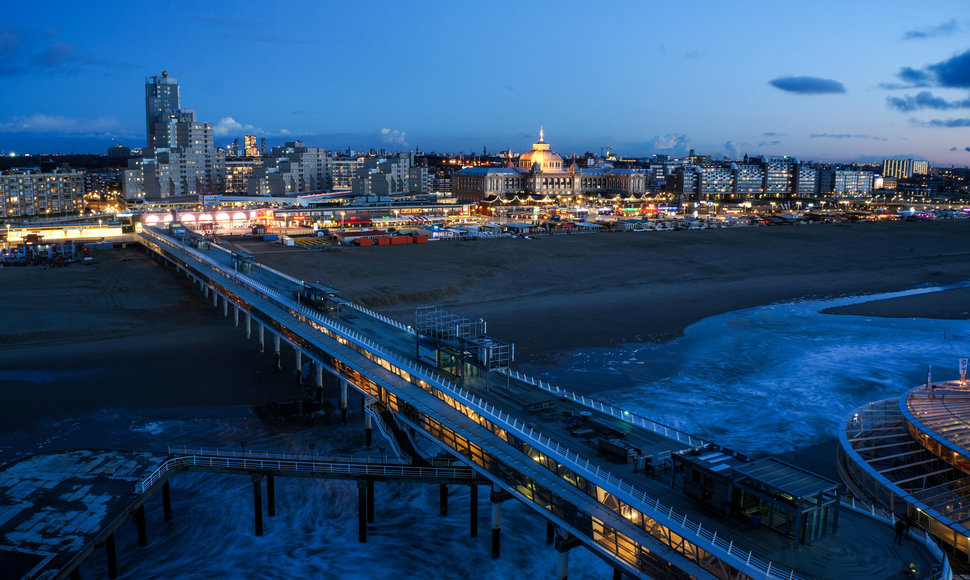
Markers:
point(623, 415)
point(309, 466)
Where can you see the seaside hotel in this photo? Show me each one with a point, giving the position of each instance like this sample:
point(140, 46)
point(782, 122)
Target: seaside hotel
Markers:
point(911, 455)
point(539, 177)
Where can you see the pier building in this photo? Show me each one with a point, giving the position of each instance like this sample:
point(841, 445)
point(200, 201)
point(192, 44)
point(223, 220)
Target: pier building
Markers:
point(911, 456)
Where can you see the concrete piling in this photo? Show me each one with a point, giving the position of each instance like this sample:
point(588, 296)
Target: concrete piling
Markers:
point(361, 512)
point(249, 326)
point(258, 503)
point(343, 401)
point(299, 366)
point(262, 333)
point(109, 550)
point(276, 347)
point(167, 501)
point(235, 314)
point(496, 528)
point(473, 511)
point(368, 430)
point(139, 515)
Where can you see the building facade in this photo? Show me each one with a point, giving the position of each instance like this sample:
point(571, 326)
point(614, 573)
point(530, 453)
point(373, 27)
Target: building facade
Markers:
point(845, 183)
point(540, 172)
point(161, 102)
point(28, 193)
point(904, 168)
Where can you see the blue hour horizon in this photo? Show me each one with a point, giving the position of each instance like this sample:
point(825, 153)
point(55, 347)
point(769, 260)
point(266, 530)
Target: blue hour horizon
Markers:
point(833, 83)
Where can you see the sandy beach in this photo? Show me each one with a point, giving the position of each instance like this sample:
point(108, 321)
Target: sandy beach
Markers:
point(124, 332)
point(559, 293)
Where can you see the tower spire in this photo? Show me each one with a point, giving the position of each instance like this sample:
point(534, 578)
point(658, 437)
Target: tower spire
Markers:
point(540, 133)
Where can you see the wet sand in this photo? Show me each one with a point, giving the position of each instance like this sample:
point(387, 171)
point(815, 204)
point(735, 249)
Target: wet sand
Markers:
point(559, 293)
point(944, 305)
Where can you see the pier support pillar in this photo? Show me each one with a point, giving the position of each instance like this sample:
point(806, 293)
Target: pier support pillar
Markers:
point(270, 495)
point(235, 314)
point(205, 290)
point(370, 501)
point(562, 565)
point(262, 335)
point(225, 306)
point(564, 543)
point(319, 369)
point(139, 515)
point(276, 347)
point(249, 326)
point(617, 574)
point(368, 430)
point(343, 401)
point(473, 511)
point(550, 532)
point(361, 512)
point(258, 503)
point(299, 367)
point(443, 500)
point(215, 299)
point(75, 574)
point(496, 528)
point(109, 550)
point(167, 501)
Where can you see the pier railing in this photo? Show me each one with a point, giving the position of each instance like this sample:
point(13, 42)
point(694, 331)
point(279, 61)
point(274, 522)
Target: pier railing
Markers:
point(623, 415)
point(692, 531)
point(300, 464)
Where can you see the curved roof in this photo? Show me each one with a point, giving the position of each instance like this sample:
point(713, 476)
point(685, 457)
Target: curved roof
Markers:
point(942, 411)
point(542, 155)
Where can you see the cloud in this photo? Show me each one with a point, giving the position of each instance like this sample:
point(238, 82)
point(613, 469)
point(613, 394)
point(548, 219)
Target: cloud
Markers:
point(808, 85)
point(672, 144)
point(925, 100)
point(771, 143)
point(773, 134)
point(952, 73)
point(945, 29)
point(957, 148)
point(950, 123)
point(734, 149)
point(24, 51)
point(229, 126)
point(41, 123)
point(393, 137)
point(845, 136)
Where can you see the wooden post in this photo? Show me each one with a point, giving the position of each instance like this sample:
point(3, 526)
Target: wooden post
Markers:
point(370, 501)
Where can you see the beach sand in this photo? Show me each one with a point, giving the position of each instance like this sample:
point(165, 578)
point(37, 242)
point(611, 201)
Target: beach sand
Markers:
point(559, 293)
point(124, 332)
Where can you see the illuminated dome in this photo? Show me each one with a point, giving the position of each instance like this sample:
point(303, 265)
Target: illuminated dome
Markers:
point(542, 156)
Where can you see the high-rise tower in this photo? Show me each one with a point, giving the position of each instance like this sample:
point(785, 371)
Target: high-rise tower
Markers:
point(161, 103)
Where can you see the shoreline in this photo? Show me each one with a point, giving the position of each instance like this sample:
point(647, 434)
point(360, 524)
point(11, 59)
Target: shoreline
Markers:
point(563, 293)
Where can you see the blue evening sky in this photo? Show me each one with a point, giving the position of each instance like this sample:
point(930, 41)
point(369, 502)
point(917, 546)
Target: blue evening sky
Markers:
point(825, 80)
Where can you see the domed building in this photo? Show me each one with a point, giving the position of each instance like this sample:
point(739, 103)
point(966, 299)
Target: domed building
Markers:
point(539, 176)
point(541, 155)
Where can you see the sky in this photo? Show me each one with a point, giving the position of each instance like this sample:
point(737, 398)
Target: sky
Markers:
point(821, 80)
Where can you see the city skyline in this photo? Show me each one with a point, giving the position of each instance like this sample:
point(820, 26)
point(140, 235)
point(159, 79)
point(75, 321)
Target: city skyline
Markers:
point(853, 83)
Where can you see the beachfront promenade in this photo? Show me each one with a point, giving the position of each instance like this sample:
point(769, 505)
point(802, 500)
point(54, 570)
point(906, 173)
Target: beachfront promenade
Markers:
point(558, 452)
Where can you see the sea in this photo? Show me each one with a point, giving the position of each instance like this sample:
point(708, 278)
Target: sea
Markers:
point(772, 380)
